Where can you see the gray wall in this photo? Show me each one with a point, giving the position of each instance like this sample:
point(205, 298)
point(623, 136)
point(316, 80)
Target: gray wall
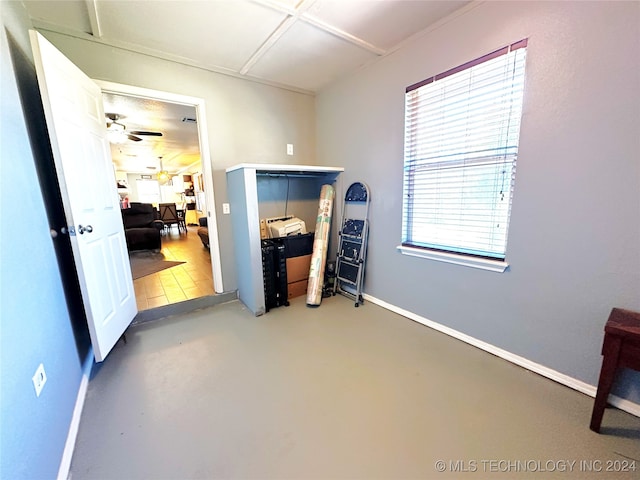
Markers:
point(35, 322)
point(574, 242)
point(247, 122)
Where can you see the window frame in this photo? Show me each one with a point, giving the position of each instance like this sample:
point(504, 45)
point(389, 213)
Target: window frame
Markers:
point(496, 261)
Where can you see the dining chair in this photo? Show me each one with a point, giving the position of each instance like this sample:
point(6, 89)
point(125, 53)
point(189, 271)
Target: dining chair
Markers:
point(169, 215)
point(182, 224)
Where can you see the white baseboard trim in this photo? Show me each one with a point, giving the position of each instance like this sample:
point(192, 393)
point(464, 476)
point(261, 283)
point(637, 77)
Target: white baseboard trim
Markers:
point(67, 454)
point(574, 383)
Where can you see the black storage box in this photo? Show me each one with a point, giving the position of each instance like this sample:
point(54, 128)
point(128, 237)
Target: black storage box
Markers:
point(297, 245)
point(274, 271)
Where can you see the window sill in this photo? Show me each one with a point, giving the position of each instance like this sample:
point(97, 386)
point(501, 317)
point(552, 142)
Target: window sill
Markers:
point(464, 260)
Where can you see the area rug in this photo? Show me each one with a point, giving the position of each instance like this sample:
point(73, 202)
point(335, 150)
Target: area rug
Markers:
point(143, 265)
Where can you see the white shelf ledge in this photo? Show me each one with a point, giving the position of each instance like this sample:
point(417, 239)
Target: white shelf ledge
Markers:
point(264, 168)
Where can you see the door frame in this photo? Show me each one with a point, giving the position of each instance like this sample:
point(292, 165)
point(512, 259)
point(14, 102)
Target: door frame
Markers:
point(205, 157)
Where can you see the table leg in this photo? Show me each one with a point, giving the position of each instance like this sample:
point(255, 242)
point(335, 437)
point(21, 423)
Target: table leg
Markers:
point(611, 353)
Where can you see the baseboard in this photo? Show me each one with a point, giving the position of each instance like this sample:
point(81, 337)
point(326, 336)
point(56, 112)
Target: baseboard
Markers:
point(574, 383)
point(67, 454)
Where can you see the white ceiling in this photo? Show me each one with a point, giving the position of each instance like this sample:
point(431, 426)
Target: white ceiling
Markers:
point(177, 149)
point(302, 45)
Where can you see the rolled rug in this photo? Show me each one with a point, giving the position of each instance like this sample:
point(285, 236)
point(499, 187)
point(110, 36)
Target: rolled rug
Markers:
point(320, 244)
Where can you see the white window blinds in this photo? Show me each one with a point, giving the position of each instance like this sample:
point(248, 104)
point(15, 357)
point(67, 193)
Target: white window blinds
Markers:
point(461, 143)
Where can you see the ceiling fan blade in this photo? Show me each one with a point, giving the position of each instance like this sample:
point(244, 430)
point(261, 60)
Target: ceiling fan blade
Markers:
point(134, 138)
point(142, 132)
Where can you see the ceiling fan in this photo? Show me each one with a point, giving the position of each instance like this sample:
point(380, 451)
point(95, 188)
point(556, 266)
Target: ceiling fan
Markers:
point(117, 131)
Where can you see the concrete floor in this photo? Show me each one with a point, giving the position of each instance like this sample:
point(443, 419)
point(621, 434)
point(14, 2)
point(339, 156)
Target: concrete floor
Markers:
point(335, 392)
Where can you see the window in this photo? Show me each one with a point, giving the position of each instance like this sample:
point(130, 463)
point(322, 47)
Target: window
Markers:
point(461, 144)
point(148, 191)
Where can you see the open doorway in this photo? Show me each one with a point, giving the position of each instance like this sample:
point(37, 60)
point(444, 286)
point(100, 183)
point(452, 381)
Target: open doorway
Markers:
point(162, 158)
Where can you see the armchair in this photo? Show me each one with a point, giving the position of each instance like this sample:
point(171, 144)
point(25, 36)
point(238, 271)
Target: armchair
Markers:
point(141, 228)
point(203, 231)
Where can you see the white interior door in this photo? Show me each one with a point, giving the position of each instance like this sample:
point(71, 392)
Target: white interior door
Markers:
point(77, 130)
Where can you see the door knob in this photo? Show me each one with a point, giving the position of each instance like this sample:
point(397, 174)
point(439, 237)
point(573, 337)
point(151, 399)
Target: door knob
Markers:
point(87, 229)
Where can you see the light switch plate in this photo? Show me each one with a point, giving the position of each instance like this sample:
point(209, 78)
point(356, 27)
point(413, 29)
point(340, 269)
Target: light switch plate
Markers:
point(39, 379)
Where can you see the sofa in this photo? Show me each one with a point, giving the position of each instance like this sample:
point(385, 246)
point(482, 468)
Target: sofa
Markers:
point(142, 230)
point(203, 232)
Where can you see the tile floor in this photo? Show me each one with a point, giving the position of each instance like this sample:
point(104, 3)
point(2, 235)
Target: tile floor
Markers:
point(190, 280)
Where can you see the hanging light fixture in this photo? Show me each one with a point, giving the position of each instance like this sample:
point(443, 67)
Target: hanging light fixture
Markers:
point(163, 175)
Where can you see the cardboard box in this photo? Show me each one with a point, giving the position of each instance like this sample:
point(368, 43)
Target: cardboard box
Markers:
point(298, 268)
point(264, 231)
point(297, 289)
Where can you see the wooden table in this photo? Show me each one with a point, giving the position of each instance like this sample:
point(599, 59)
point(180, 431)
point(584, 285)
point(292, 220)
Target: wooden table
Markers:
point(621, 349)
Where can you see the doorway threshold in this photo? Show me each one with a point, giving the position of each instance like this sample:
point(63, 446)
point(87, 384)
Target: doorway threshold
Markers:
point(145, 316)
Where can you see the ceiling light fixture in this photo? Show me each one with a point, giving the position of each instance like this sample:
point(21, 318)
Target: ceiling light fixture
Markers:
point(115, 133)
point(163, 176)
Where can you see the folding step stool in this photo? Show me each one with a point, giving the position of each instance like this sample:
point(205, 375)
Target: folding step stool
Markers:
point(352, 248)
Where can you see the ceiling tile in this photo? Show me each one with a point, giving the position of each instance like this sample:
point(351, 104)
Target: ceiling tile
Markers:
point(70, 14)
point(222, 33)
point(292, 4)
point(309, 58)
point(382, 23)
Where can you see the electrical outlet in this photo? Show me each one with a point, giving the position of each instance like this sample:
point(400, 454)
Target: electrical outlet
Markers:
point(39, 379)
point(289, 148)
point(226, 209)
